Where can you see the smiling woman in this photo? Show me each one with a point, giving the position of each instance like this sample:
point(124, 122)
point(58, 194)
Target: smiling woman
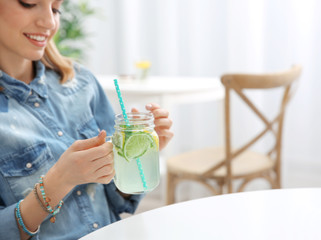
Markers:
point(56, 168)
point(32, 25)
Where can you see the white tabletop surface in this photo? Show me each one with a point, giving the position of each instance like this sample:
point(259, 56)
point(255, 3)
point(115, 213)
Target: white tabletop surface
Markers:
point(165, 90)
point(270, 214)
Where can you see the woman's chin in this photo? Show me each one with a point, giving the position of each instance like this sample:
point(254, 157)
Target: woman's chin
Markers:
point(35, 56)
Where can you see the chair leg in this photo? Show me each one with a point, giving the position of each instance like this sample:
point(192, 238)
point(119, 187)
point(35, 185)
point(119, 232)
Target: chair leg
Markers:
point(273, 179)
point(276, 183)
point(278, 180)
point(243, 185)
point(171, 187)
point(229, 186)
point(221, 186)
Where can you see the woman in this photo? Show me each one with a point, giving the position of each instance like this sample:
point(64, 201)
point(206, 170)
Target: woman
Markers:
point(54, 119)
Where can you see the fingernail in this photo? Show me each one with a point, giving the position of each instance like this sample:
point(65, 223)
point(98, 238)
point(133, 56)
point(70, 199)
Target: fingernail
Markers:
point(148, 106)
point(101, 133)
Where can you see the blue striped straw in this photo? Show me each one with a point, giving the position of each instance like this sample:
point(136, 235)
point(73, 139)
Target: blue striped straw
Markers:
point(121, 102)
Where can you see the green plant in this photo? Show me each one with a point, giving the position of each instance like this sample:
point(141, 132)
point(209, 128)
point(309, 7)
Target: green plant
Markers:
point(71, 37)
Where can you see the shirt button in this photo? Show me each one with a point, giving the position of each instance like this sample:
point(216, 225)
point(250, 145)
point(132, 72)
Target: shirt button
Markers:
point(95, 225)
point(60, 133)
point(30, 93)
point(78, 193)
point(29, 165)
point(36, 104)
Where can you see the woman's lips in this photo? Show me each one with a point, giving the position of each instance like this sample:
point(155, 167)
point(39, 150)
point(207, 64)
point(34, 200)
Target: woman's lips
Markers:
point(39, 40)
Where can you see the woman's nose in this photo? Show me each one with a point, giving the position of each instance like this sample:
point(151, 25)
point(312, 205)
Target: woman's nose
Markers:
point(47, 19)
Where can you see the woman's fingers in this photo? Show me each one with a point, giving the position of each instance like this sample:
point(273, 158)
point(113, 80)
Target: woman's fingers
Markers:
point(105, 170)
point(163, 122)
point(106, 178)
point(85, 144)
point(157, 111)
point(135, 110)
point(107, 161)
point(90, 164)
point(96, 152)
point(102, 162)
point(163, 132)
point(152, 106)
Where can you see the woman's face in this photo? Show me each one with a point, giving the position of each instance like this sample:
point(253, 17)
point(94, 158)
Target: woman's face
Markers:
point(26, 26)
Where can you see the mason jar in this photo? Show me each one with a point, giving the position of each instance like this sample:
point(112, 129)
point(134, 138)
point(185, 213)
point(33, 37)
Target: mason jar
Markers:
point(136, 153)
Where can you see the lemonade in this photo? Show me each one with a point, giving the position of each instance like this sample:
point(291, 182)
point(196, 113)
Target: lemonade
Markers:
point(136, 154)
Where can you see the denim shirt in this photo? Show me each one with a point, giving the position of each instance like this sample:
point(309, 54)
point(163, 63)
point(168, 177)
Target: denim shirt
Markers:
point(38, 122)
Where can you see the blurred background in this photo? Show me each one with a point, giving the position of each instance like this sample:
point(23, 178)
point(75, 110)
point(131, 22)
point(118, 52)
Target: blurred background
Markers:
point(207, 38)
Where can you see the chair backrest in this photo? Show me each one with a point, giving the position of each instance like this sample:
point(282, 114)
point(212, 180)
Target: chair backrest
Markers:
point(240, 82)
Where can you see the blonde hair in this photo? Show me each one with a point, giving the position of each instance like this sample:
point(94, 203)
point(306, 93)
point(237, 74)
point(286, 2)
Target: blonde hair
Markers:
point(52, 59)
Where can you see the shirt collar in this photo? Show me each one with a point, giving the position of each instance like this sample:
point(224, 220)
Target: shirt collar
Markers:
point(20, 90)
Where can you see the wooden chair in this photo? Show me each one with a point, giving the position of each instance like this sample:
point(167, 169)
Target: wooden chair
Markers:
point(224, 165)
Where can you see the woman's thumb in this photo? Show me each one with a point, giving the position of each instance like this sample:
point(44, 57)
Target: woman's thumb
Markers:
point(91, 142)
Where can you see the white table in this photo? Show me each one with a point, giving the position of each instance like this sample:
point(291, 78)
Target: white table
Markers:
point(271, 214)
point(166, 91)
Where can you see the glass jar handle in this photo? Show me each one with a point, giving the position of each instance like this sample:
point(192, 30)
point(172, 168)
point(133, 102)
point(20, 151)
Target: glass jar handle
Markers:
point(108, 138)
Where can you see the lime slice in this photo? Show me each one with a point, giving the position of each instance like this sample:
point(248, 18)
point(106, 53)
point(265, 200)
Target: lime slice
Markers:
point(137, 145)
point(118, 139)
point(155, 143)
point(118, 142)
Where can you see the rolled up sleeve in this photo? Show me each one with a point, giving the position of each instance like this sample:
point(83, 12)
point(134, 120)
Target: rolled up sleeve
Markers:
point(118, 203)
point(8, 224)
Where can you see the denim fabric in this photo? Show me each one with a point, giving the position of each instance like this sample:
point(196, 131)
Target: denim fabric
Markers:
point(38, 122)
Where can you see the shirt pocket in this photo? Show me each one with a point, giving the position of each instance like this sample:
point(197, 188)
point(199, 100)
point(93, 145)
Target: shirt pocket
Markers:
point(22, 169)
point(89, 129)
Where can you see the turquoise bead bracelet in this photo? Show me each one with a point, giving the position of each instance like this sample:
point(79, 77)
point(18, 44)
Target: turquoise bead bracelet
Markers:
point(46, 200)
point(21, 223)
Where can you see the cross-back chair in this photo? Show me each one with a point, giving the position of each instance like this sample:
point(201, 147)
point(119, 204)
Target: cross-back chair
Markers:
point(218, 167)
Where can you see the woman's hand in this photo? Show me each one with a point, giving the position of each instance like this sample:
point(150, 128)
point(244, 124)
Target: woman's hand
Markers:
point(162, 123)
point(87, 161)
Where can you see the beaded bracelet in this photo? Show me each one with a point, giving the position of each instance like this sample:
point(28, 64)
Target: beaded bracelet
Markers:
point(37, 197)
point(21, 223)
point(46, 200)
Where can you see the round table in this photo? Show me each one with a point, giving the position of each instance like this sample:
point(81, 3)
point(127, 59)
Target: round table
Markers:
point(270, 214)
point(165, 90)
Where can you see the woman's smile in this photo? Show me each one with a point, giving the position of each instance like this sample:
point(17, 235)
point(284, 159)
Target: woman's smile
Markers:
point(26, 27)
point(37, 39)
